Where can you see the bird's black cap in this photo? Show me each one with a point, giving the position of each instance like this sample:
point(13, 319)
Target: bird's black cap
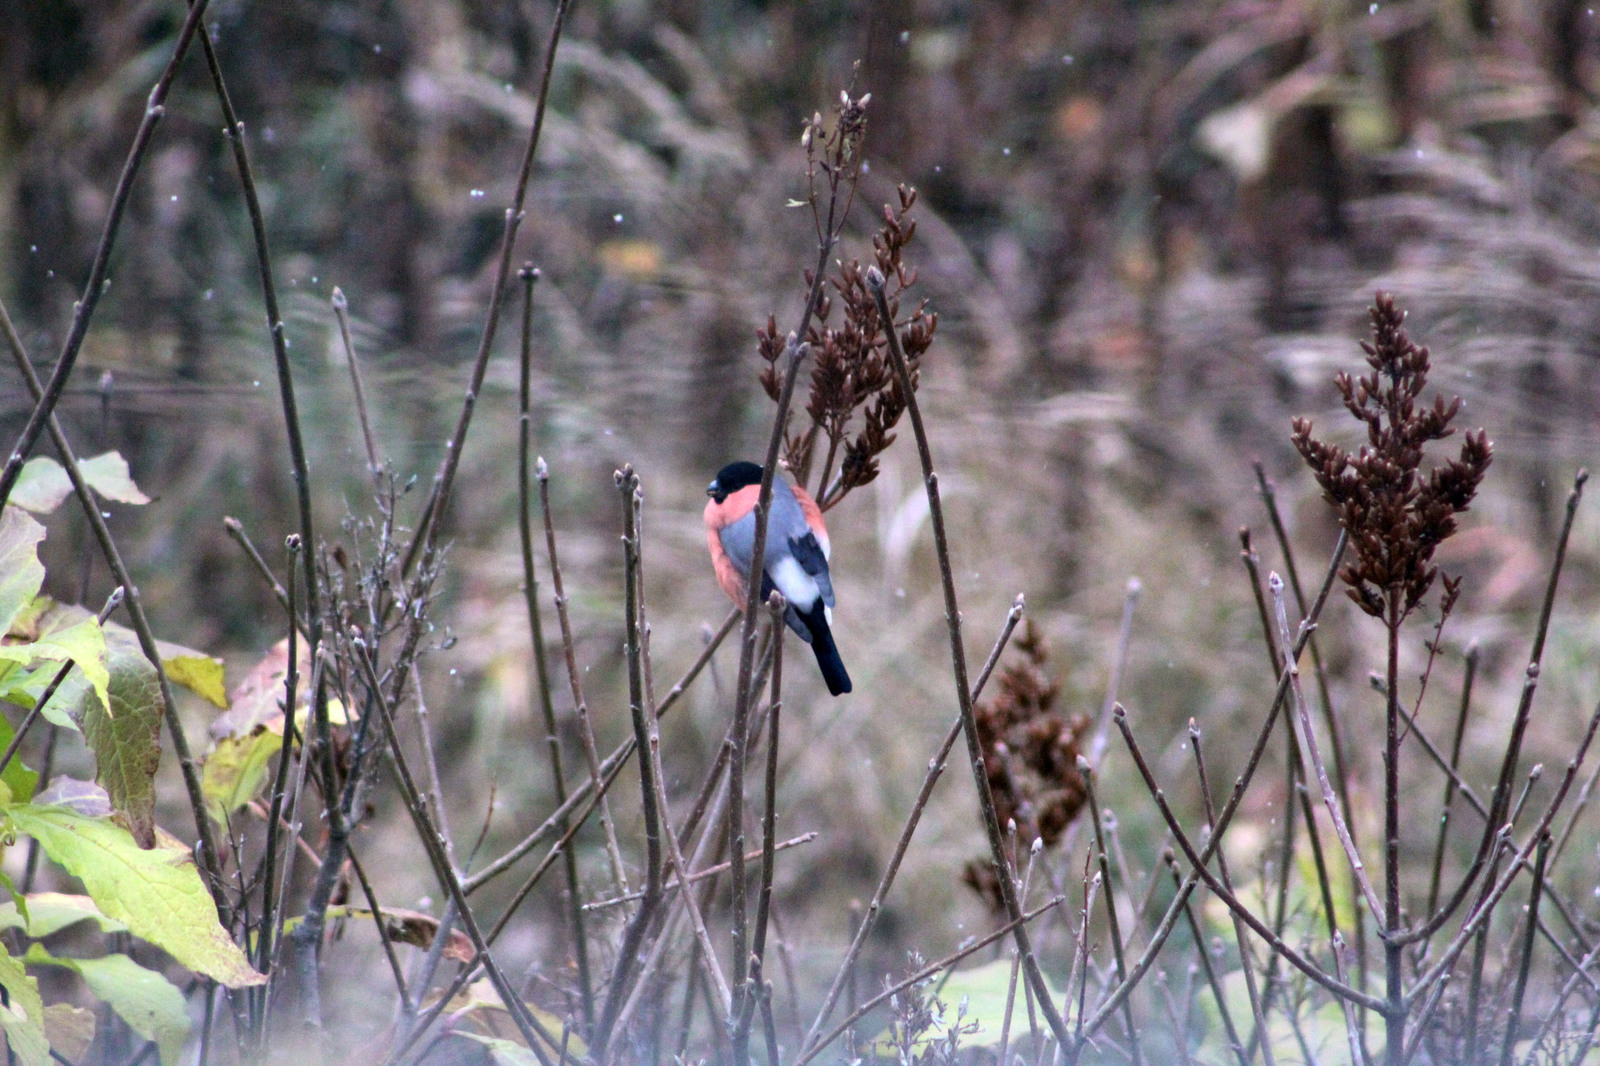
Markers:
point(732, 478)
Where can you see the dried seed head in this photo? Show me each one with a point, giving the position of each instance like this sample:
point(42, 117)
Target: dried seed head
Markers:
point(1031, 749)
point(1396, 518)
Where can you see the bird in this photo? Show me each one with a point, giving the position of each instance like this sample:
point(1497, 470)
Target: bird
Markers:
point(795, 560)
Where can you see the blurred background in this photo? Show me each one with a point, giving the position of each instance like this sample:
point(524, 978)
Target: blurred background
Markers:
point(1151, 232)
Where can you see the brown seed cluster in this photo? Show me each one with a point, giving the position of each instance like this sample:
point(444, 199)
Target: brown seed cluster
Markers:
point(851, 373)
point(1030, 752)
point(1396, 517)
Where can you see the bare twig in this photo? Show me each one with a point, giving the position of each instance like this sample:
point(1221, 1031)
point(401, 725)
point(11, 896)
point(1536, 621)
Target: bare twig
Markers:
point(1119, 663)
point(1246, 963)
point(1514, 1011)
point(1197, 865)
point(921, 975)
point(341, 311)
point(1112, 927)
point(935, 770)
point(1329, 798)
point(1225, 817)
point(529, 276)
point(628, 483)
point(769, 817)
point(46, 399)
point(697, 876)
point(958, 659)
point(427, 532)
point(569, 649)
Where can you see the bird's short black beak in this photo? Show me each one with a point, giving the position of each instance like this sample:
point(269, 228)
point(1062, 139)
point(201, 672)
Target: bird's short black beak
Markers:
point(713, 489)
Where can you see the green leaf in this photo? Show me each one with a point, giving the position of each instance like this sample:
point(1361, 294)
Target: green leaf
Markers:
point(157, 892)
point(126, 737)
point(19, 902)
point(21, 573)
point(108, 475)
point(66, 706)
point(236, 770)
point(16, 777)
point(42, 485)
point(978, 996)
point(82, 642)
point(47, 913)
point(22, 1015)
point(148, 1002)
point(56, 633)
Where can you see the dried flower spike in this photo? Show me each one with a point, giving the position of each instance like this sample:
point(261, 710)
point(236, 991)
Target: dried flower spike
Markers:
point(851, 373)
point(1031, 752)
point(1395, 516)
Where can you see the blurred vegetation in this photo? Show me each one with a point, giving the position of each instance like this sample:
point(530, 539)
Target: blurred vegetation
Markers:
point(1150, 230)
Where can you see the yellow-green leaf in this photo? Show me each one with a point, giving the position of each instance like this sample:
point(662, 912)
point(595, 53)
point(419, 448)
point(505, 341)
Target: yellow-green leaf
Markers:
point(199, 673)
point(148, 1002)
point(47, 913)
point(82, 642)
point(157, 892)
point(108, 475)
point(19, 781)
point(503, 1052)
point(21, 573)
point(236, 770)
point(22, 1015)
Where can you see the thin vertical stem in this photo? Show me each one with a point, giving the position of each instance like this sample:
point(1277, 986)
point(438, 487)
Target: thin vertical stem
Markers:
point(633, 938)
point(1394, 1015)
point(958, 660)
point(744, 693)
point(769, 818)
point(569, 648)
point(1450, 779)
point(529, 276)
point(341, 311)
point(427, 532)
point(45, 400)
point(1112, 925)
point(1246, 964)
point(291, 683)
point(1514, 1012)
point(1235, 1044)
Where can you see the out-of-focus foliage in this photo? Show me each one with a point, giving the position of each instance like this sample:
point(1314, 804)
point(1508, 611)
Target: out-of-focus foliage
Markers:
point(1149, 230)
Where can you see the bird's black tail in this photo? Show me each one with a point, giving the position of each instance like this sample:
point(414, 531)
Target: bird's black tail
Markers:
point(827, 652)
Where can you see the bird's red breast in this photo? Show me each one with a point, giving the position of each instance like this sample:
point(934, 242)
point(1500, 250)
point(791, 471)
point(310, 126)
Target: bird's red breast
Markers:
point(736, 508)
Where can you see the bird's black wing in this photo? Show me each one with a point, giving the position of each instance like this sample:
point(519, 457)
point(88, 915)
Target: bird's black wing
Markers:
point(808, 553)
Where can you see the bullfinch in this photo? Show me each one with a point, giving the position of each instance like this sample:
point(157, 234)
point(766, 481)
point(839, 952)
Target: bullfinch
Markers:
point(796, 557)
